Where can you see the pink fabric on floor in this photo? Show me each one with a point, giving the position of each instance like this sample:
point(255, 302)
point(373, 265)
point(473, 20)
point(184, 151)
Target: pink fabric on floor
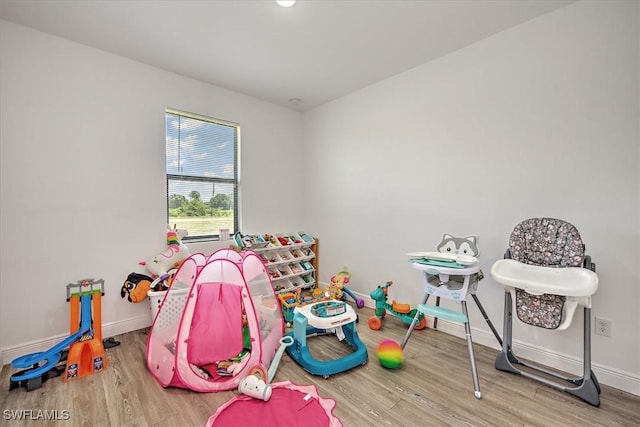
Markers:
point(290, 405)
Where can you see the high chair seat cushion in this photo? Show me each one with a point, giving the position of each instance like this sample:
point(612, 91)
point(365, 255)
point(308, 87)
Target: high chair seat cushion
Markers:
point(544, 242)
point(544, 311)
point(547, 242)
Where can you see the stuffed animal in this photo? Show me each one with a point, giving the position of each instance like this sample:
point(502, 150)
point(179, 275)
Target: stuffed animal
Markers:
point(171, 257)
point(136, 286)
point(333, 290)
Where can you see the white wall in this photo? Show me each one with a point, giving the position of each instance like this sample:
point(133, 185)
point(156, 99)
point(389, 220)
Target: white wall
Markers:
point(539, 120)
point(83, 176)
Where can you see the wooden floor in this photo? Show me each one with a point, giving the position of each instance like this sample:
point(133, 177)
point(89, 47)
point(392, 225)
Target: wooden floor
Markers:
point(432, 388)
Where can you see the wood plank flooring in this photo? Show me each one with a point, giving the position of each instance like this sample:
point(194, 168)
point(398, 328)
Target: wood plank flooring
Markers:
point(432, 388)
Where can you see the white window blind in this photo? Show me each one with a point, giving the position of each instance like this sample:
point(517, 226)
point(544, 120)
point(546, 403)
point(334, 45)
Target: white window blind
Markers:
point(202, 174)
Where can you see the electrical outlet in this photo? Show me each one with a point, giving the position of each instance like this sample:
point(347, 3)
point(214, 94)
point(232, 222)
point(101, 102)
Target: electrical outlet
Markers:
point(603, 327)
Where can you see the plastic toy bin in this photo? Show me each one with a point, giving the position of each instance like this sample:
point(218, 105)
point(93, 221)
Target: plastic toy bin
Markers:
point(173, 306)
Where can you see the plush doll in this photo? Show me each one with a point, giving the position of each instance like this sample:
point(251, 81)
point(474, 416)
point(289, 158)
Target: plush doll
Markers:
point(333, 290)
point(136, 286)
point(171, 257)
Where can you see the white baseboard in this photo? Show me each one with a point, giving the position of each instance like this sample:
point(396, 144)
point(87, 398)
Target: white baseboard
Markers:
point(108, 330)
point(607, 375)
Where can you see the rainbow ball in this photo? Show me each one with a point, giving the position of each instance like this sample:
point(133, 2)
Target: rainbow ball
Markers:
point(389, 354)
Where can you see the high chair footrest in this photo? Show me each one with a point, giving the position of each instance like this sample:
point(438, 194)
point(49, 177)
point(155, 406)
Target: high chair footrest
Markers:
point(442, 313)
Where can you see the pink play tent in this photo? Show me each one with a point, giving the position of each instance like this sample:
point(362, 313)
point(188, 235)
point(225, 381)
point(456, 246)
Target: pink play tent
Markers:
point(218, 322)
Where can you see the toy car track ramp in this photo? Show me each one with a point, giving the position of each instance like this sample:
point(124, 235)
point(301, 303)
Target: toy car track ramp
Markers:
point(52, 357)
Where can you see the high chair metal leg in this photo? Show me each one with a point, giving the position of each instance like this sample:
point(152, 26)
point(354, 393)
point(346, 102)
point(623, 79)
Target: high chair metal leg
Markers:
point(505, 357)
point(472, 357)
point(486, 318)
point(586, 387)
point(413, 323)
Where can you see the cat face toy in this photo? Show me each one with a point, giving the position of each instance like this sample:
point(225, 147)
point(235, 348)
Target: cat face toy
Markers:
point(459, 245)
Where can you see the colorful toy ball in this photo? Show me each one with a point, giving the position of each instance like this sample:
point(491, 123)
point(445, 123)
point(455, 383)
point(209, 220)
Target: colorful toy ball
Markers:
point(389, 354)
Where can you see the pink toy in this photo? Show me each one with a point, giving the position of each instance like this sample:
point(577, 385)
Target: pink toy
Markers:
point(217, 321)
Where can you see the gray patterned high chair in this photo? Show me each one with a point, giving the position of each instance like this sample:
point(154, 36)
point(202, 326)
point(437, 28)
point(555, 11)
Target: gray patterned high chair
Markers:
point(547, 275)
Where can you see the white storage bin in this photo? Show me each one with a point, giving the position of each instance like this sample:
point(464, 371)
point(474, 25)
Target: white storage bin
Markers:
point(296, 269)
point(297, 253)
point(285, 256)
point(306, 238)
point(284, 270)
point(286, 240)
point(173, 306)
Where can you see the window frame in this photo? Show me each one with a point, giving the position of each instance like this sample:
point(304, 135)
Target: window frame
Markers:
point(234, 182)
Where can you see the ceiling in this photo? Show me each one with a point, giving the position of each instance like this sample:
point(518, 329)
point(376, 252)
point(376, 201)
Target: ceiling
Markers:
point(315, 51)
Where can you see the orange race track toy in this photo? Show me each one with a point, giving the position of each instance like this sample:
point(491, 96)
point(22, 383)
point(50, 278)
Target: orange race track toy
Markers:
point(86, 355)
point(86, 348)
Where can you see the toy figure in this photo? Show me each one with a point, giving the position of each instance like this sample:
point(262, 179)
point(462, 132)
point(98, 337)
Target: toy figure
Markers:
point(136, 286)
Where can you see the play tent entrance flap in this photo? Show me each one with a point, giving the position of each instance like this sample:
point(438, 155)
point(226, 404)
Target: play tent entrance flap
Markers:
point(227, 323)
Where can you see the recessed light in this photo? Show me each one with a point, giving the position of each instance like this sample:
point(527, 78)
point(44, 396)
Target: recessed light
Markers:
point(286, 3)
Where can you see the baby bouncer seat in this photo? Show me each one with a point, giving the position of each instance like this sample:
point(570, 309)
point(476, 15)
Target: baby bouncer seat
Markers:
point(546, 275)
